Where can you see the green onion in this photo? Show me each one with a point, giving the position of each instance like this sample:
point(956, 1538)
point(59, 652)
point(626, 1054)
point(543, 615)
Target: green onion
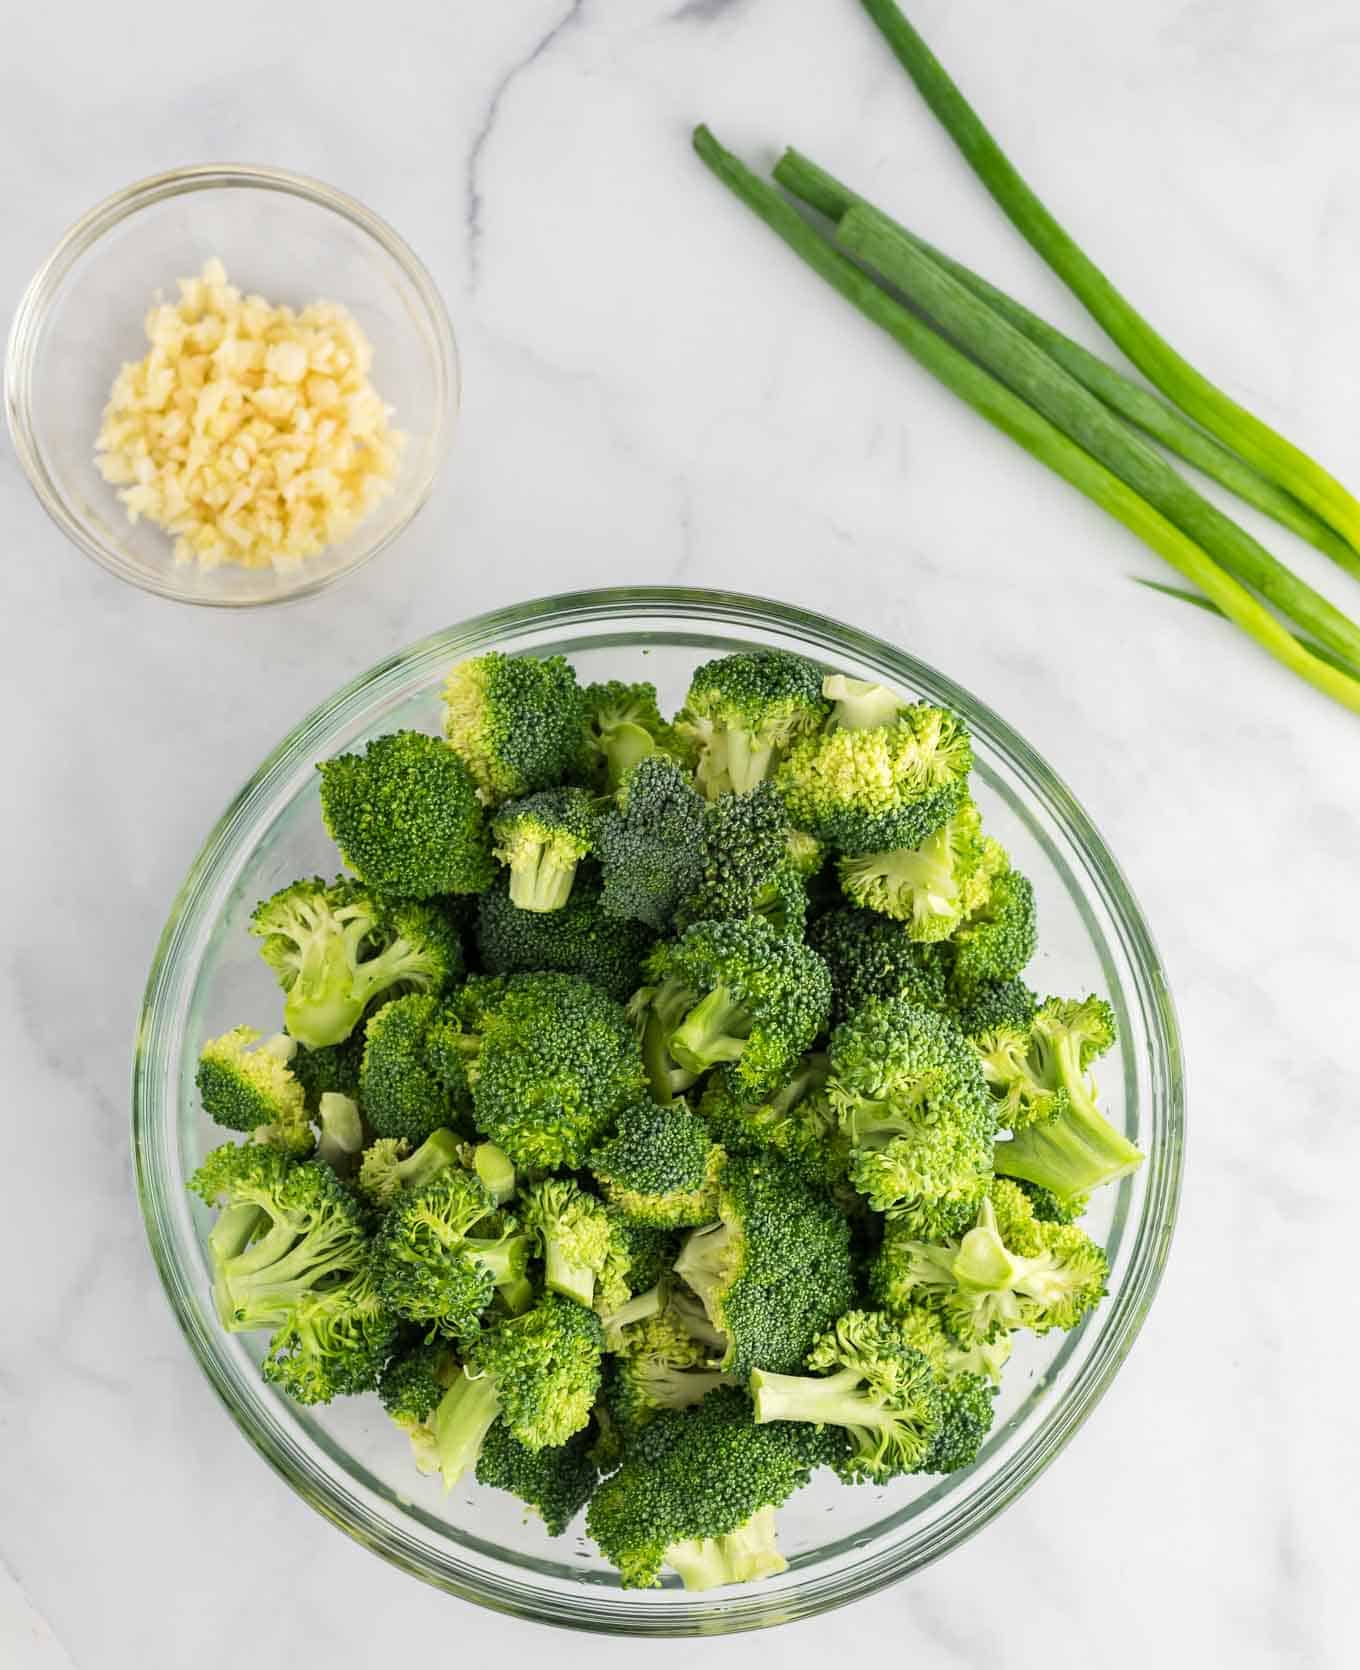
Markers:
point(1201, 602)
point(1022, 423)
point(1148, 411)
point(1245, 433)
point(972, 324)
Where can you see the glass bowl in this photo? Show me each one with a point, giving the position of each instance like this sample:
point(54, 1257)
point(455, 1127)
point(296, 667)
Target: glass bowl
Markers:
point(291, 239)
point(346, 1459)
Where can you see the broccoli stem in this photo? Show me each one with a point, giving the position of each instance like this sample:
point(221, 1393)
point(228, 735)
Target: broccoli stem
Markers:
point(623, 746)
point(742, 1556)
point(715, 1030)
point(342, 1132)
point(517, 1295)
point(637, 1309)
point(1240, 429)
point(824, 1400)
point(571, 1280)
point(496, 1170)
point(703, 1265)
point(229, 1237)
point(322, 1006)
point(542, 882)
point(503, 1257)
point(460, 1423)
point(1071, 1155)
point(859, 705)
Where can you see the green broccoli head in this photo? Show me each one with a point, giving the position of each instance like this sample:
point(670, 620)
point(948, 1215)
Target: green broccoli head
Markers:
point(1010, 1270)
point(745, 844)
point(870, 956)
point(331, 1069)
point(658, 1366)
point(571, 1230)
point(651, 843)
point(752, 1000)
point(932, 887)
point(996, 942)
point(401, 1093)
point(968, 1378)
point(579, 939)
point(336, 948)
point(995, 1004)
point(696, 1491)
point(389, 1166)
point(516, 721)
point(406, 817)
point(915, 1111)
point(743, 711)
point(623, 724)
point(541, 839)
point(333, 1341)
point(878, 789)
point(415, 1380)
point(545, 1367)
point(798, 1122)
point(660, 1167)
point(554, 1483)
point(869, 1381)
point(774, 1271)
point(556, 1061)
point(248, 1086)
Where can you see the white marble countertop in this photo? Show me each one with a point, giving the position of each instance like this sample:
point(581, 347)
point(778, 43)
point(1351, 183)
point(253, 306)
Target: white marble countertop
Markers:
point(656, 392)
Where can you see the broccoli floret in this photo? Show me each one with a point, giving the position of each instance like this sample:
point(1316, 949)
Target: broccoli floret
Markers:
point(753, 1001)
point(406, 817)
point(869, 956)
point(431, 1267)
point(915, 1110)
point(1048, 1208)
point(660, 1167)
point(743, 711)
point(389, 1166)
point(967, 1387)
point(1009, 1271)
point(542, 839)
point(871, 1382)
point(774, 1271)
point(651, 843)
point(250, 1088)
point(696, 1491)
point(553, 1061)
point(798, 1122)
point(401, 1094)
point(571, 1230)
point(631, 1282)
point(866, 789)
point(336, 948)
point(932, 887)
point(623, 726)
point(1067, 1146)
point(287, 1227)
point(745, 843)
point(414, 1381)
point(516, 721)
point(545, 1368)
point(656, 1011)
point(554, 1483)
point(658, 1366)
point(994, 1004)
point(996, 943)
point(579, 939)
point(333, 1341)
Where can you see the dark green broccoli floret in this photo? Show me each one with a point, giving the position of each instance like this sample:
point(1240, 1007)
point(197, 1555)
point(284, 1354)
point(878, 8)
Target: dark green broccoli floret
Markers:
point(579, 939)
point(874, 787)
point(743, 711)
point(401, 1094)
point(333, 1342)
point(550, 1062)
point(871, 1382)
point(335, 1067)
point(994, 1004)
point(571, 1230)
point(797, 1122)
point(555, 1483)
point(752, 1001)
point(697, 1491)
point(1010, 1270)
point(516, 721)
point(651, 843)
point(389, 1166)
point(336, 948)
point(745, 843)
point(968, 1379)
point(253, 1089)
point(774, 1271)
point(997, 942)
point(406, 817)
point(545, 1367)
point(432, 1264)
point(932, 887)
point(1060, 1139)
point(660, 1167)
point(623, 726)
point(869, 956)
point(915, 1110)
point(414, 1381)
point(541, 839)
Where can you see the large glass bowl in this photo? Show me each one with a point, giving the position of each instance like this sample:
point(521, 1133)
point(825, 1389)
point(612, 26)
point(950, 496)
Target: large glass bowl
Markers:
point(347, 1460)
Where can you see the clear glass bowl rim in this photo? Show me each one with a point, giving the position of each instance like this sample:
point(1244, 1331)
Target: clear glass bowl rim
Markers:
point(26, 334)
point(604, 1611)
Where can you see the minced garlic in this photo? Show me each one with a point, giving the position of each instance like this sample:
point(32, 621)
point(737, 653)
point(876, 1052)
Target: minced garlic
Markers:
point(249, 432)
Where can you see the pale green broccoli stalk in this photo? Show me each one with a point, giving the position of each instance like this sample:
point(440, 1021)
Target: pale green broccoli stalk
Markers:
point(743, 711)
point(342, 1132)
point(932, 887)
point(516, 721)
point(541, 840)
point(406, 817)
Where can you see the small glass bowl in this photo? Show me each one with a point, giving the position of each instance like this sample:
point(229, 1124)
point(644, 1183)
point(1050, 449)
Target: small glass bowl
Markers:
point(292, 240)
point(347, 1459)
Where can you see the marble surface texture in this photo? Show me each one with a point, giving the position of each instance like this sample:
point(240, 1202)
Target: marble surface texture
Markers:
point(655, 392)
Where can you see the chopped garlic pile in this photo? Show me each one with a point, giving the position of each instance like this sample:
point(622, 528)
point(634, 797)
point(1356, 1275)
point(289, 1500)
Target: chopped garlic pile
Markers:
point(249, 432)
